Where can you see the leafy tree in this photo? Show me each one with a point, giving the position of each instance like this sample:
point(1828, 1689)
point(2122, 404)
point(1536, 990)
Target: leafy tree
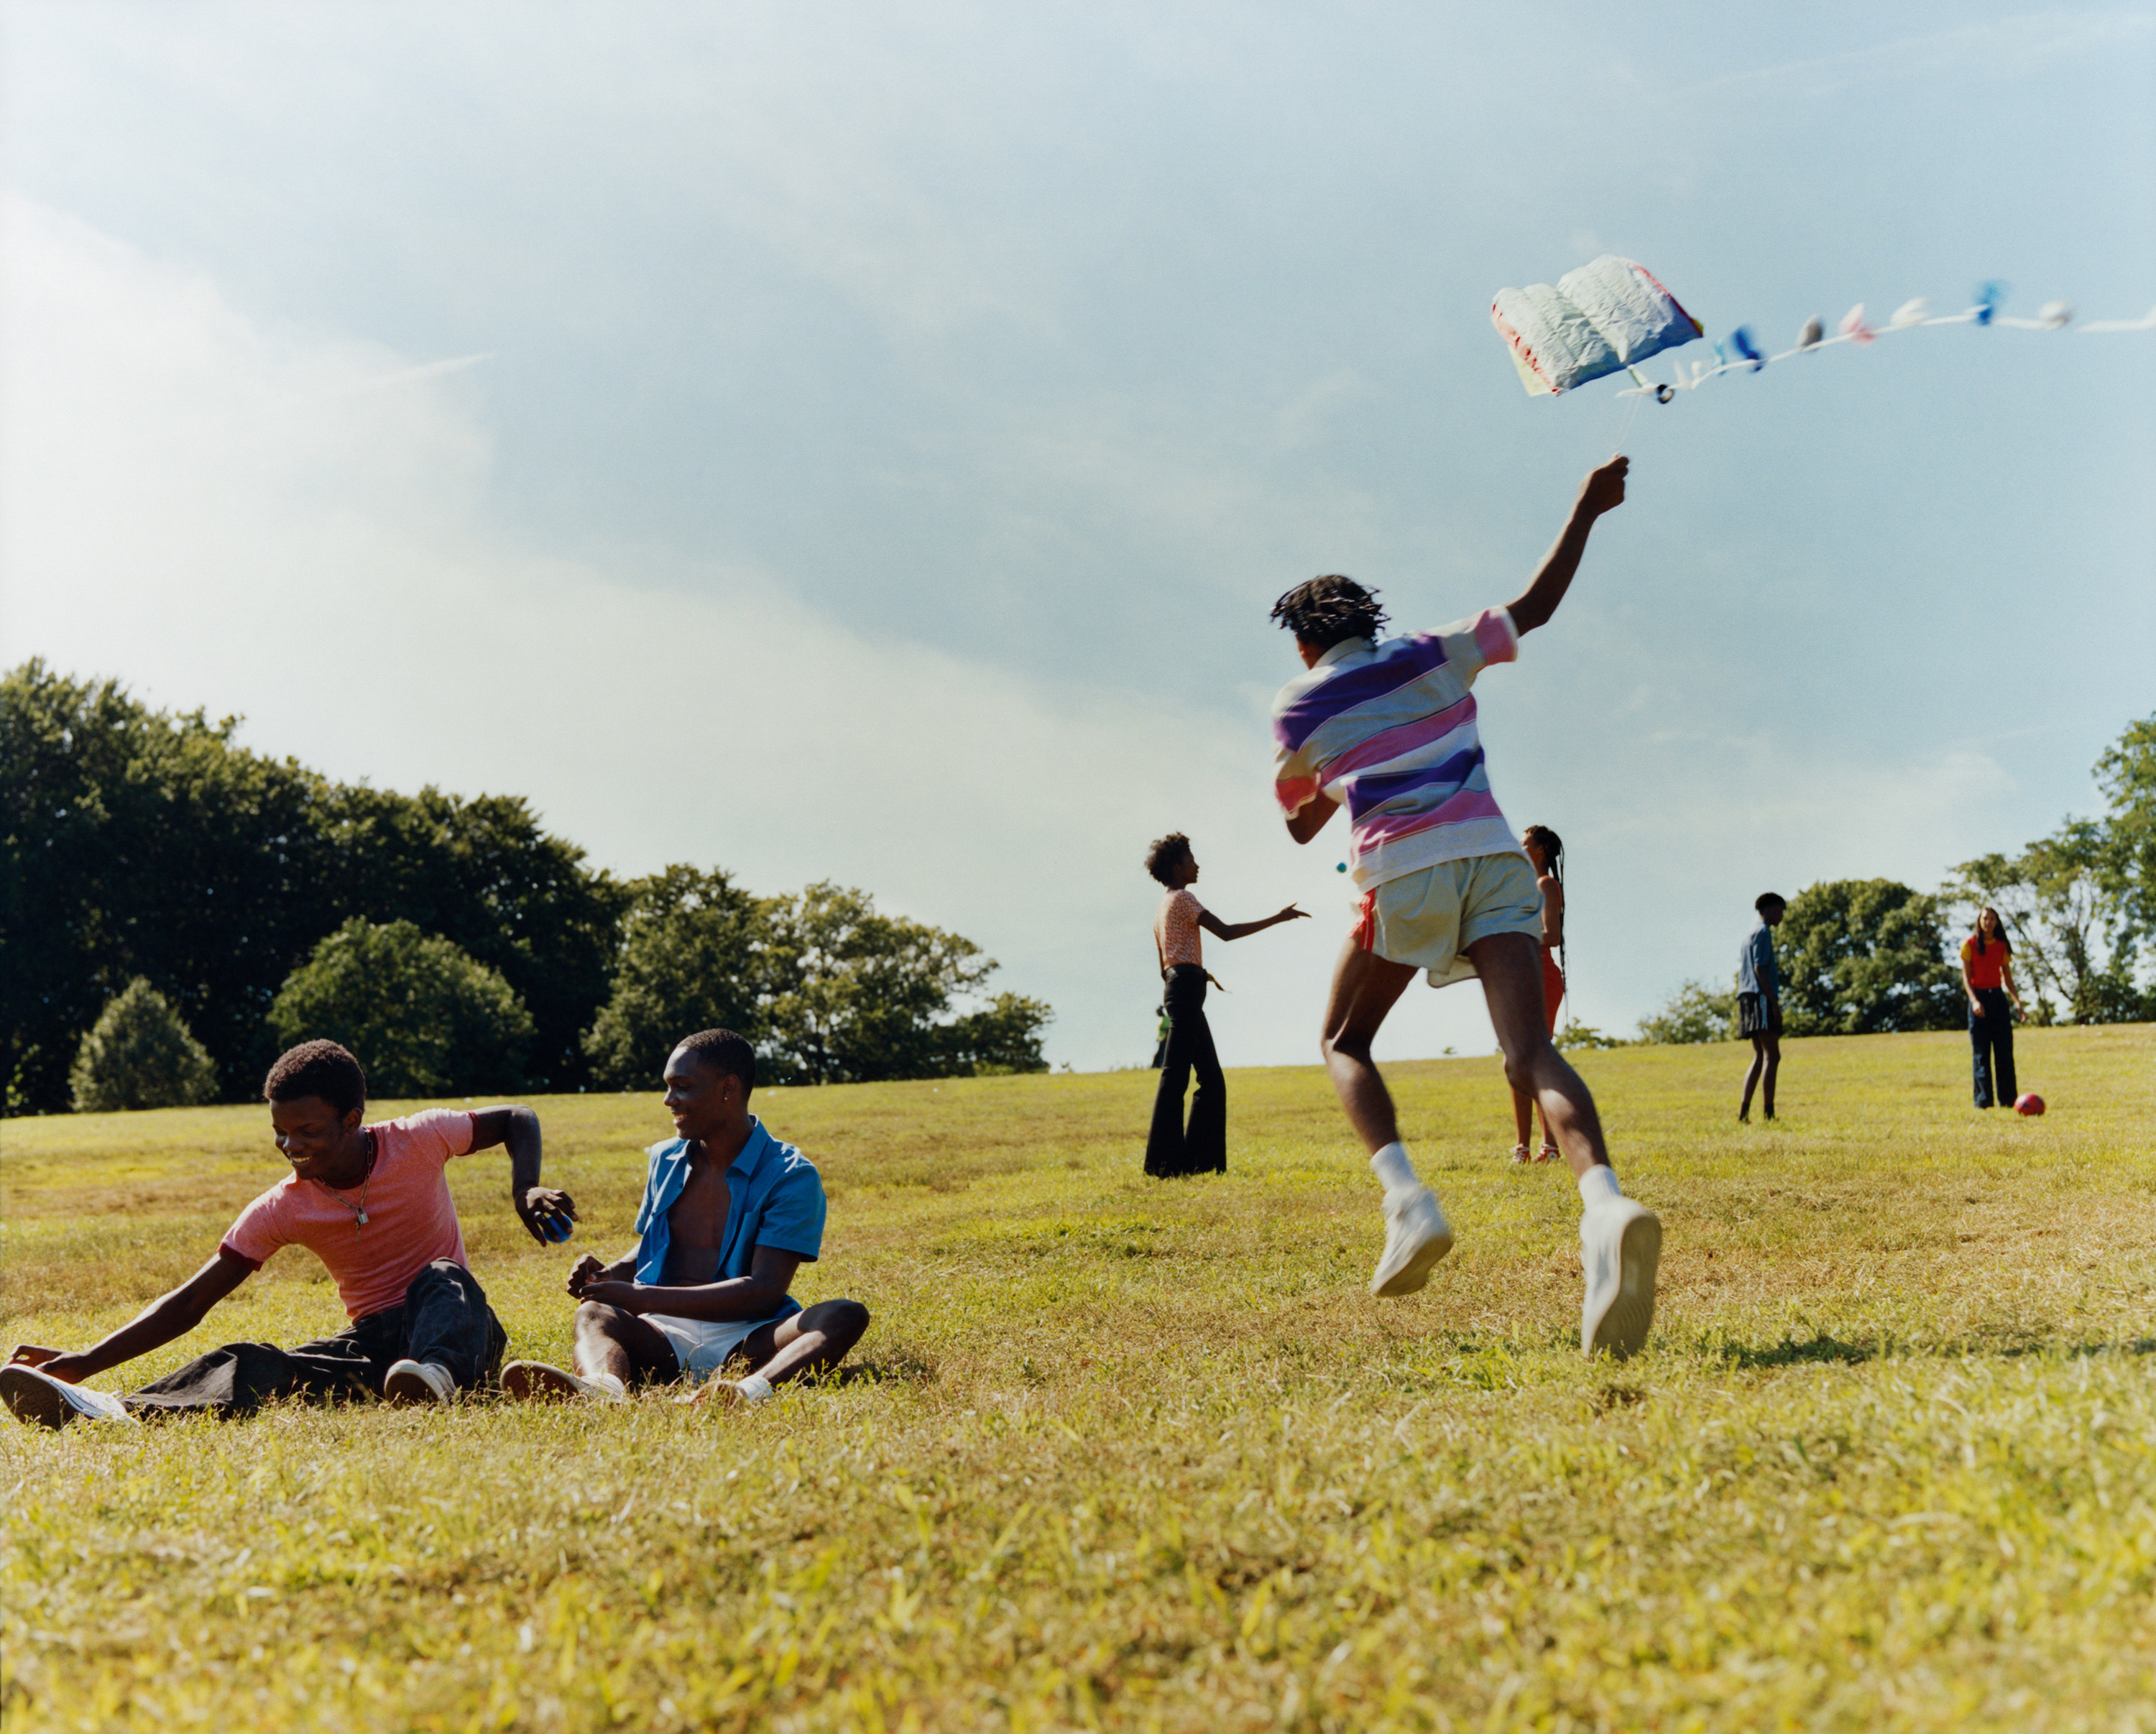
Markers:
point(2073, 940)
point(1574, 1035)
point(857, 996)
point(139, 1053)
point(692, 958)
point(1695, 1013)
point(1002, 1038)
point(137, 843)
point(425, 1018)
point(2127, 775)
point(1859, 956)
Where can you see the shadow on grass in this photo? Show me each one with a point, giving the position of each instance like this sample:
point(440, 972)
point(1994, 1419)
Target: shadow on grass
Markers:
point(893, 1366)
point(1789, 1352)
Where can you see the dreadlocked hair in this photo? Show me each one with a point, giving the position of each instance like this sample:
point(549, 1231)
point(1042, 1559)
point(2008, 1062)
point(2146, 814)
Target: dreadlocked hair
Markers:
point(1329, 611)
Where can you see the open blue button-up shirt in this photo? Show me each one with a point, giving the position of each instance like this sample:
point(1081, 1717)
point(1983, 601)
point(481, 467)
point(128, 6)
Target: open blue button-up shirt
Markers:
point(777, 1200)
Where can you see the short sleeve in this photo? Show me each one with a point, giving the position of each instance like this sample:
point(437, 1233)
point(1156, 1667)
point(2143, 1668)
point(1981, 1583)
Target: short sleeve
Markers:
point(439, 1133)
point(793, 1219)
point(256, 1232)
point(1472, 645)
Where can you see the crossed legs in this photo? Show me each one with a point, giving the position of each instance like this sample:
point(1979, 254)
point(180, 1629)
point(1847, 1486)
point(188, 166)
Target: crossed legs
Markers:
point(612, 1340)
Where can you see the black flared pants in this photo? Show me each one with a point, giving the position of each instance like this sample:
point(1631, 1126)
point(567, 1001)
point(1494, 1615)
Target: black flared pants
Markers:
point(1991, 1049)
point(1202, 1148)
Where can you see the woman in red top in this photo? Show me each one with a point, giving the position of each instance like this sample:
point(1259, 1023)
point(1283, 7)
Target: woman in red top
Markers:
point(1987, 974)
point(1545, 849)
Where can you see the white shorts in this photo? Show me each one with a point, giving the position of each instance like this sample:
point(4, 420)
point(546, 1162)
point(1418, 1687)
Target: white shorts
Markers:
point(1429, 918)
point(702, 1346)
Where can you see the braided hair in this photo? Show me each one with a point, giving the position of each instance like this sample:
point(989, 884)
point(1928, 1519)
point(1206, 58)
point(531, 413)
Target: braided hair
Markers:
point(1552, 848)
point(1329, 611)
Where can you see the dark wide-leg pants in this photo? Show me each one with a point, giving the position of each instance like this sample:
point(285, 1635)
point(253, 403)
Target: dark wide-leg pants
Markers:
point(444, 1319)
point(1991, 1049)
point(1203, 1149)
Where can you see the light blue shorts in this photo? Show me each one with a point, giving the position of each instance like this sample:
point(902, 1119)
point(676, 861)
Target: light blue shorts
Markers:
point(702, 1346)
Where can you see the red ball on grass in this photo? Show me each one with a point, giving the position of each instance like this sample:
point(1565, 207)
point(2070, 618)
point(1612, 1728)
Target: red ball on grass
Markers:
point(2028, 1102)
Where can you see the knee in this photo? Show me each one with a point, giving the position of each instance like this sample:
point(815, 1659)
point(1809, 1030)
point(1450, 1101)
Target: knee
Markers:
point(843, 1322)
point(595, 1315)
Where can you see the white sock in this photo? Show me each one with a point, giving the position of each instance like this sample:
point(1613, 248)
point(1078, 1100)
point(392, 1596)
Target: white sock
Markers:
point(606, 1381)
point(1598, 1186)
point(1394, 1171)
point(755, 1389)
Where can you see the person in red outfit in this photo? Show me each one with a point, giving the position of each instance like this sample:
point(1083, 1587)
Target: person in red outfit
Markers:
point(1987, 977)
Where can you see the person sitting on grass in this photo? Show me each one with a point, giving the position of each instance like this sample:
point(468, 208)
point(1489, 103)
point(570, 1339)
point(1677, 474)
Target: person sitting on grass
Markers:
point(729, 1215)
point(1387, 729)
point(373, 1204)
point(1759, 1004)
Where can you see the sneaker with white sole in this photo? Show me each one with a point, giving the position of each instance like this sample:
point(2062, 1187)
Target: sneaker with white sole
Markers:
point(1417, 1236)
point(420, 1381)
point(538, 1381)
point(40, 1400)
point(1620, 1245)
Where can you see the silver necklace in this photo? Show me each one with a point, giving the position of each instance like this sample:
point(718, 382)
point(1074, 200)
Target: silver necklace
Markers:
point(359, 1210)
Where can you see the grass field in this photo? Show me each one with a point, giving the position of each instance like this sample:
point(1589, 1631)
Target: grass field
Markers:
point(1134, 1454)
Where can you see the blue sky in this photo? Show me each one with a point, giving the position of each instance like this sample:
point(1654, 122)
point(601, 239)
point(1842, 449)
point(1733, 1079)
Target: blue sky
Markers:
point(894, 422)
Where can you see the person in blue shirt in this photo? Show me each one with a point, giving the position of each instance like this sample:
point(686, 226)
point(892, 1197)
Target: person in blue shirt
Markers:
point(729, 1215)
point(1759, 1004)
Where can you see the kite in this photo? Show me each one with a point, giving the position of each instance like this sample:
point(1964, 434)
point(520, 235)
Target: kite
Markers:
point(1599, 319)
point(1611, 313)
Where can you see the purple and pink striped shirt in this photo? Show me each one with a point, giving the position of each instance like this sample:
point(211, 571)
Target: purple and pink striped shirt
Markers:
point(1387, 730)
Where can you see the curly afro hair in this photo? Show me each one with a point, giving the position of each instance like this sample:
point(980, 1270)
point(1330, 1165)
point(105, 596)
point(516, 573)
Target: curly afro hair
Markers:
point(1330, 610)
point(1164, 853)
point(317, 1068)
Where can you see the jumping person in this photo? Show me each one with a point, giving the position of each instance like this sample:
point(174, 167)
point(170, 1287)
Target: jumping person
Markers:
point(1388, 729)
point(729, 1215)
point(1759, 1004)
point(1546, 851)
point(1987, 977)
point(373, 1203)
point(1171, 1149)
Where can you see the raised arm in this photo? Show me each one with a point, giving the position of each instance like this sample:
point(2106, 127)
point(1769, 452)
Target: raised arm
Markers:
point(168, 1317)
point(756, 1295)
point(1236, 930)
point(1603, 490)
point(536, 1205)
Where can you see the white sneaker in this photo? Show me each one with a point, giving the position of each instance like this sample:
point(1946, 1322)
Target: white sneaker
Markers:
point(537, 1382)
point(40, 1400)
point(422, 1382)
point(1417, 1236)
point(1620, 1244)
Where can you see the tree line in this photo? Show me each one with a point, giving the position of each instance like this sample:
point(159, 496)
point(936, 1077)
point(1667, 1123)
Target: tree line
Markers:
point(1862, 956)
point(147, 862)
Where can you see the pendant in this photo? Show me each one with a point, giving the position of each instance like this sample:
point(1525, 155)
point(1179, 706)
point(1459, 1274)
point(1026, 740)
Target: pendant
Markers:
point(362, 1218)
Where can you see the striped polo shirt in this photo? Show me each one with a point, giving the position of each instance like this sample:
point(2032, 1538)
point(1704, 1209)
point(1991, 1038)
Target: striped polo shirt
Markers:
point(1388, 731)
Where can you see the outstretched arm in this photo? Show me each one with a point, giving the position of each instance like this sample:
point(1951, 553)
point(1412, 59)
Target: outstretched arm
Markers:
point(1603, 490)
point(756, 1295)
point(536, 1204)
point(1236, 930)
point(166, 1317)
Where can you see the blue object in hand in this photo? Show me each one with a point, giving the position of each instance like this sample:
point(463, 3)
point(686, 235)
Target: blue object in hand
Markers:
point(558, 1228)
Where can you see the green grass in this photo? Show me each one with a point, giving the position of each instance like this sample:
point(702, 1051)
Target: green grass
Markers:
point(1133, 1454)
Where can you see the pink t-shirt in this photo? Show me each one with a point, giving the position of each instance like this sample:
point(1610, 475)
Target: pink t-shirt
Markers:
point(411, 1219)
point(1175, 929)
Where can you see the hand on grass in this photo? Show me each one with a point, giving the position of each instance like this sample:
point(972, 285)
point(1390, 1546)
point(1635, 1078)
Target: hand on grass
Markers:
point(1603, 489)
point(57, 1363)
point(541, 1204)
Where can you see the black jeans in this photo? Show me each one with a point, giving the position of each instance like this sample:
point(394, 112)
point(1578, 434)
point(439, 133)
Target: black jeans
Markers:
point(1203, 1148)
point(444, 1319)
point(1991, 1049)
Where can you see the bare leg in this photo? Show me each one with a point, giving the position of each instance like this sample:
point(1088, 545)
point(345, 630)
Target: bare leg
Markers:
point(611, 1341)
point(1364, 988)
point(1773, 1052)
point(814, 1340)
point(1759, 1040)
point(1523, 1117)
point(1510, 965)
